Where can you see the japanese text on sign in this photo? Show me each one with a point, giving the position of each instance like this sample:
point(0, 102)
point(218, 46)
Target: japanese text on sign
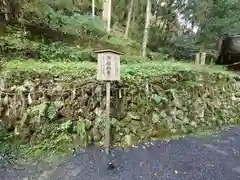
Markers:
point(108, 67)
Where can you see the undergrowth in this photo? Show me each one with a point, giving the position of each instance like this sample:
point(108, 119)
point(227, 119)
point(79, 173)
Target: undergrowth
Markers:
point(8, 149)
point(16, 42)
point(72, 23)
point(88, 69)
point(21, 43)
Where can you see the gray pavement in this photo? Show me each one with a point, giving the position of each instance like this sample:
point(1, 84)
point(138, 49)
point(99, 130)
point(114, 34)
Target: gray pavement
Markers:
point(191, 158)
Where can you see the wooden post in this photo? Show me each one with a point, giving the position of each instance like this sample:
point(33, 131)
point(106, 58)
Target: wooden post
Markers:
point(108, 70)
point(107, 123)
point(211, 61)
point(203, 58)
point(200, 58)
point(197, 59)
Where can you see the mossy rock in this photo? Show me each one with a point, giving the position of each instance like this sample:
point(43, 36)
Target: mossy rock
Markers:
point(196, 100)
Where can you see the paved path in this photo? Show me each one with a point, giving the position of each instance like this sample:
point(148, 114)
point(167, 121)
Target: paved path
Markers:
point(209, 158)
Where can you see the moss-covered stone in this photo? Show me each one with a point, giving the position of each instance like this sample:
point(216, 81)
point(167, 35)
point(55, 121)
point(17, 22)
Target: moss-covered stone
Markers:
point(50, 108)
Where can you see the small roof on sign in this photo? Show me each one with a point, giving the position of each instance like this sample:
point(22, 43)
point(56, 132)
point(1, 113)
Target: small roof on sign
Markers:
point(108, 50)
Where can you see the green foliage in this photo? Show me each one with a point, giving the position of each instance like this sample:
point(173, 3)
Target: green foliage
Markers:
point(202, 23)
point(8, 147)
point(51, 112)
point(221, 18)
point(41, 12)
point(39, 109)
point(81, 26)
point(138, 71)
point(123, 42)
point(81, 132)
point(19, 43)
point(53, 140)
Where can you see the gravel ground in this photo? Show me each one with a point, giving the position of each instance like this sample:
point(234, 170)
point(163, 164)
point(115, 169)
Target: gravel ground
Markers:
point(192, 158)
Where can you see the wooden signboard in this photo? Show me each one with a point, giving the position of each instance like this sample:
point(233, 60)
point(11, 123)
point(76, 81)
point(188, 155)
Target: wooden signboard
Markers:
point(108, 66)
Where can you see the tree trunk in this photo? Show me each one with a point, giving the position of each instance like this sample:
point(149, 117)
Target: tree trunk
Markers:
point(5, 7)
point(134, 12)
point(129, 18)
point(147, 22)
point(219, 44)
point(93, 8)
point(106, 14)
point(109, 15)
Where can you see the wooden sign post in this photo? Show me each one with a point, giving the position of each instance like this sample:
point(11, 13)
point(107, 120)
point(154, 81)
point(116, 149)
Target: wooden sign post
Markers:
point(108, 70)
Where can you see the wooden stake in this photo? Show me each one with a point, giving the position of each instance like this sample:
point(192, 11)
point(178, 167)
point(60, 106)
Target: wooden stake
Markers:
point(107, 121)
point(197, 59)
point(203, 58)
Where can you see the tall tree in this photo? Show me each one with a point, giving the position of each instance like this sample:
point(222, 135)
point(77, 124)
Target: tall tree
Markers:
point(6, 9)
point(107, 13)
point(93, 8)
point(146, 29)
point(129, 18)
